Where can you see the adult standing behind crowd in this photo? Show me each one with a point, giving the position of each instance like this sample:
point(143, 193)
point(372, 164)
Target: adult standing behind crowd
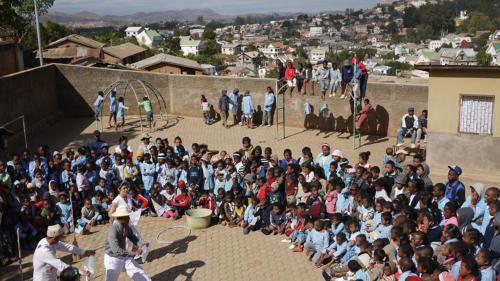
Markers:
point(268, 106)
point(233, 96)
point(455, 190)
point(45, 262)
point(224, 102)
point(409, 125)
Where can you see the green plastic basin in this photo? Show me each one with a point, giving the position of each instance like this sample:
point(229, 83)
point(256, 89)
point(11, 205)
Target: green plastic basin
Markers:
point(198, 218)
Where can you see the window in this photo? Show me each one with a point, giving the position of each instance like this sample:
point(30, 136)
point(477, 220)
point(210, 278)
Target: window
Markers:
point(476, 114)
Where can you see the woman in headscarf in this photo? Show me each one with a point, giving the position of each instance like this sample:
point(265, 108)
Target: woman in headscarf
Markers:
point(476, 202)
point(464, 217)
point(423, 172)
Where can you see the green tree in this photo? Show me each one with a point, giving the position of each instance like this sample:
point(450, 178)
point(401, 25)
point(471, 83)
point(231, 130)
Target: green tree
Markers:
point(214, 25)
point(483, 58)
point(172, 45)
point(480, 42)
point(391, 28)
point(19, 14)
point(208, 34)
point(239, 20)
point(477, 21)
point(209, 48)
point(301, 52)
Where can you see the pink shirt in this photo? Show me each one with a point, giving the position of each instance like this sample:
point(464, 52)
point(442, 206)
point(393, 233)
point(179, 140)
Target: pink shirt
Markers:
point(452, 220)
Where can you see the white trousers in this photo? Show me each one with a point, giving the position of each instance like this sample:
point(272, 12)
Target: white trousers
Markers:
point(114, 266)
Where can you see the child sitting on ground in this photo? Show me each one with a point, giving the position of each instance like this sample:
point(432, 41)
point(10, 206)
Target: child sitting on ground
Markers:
point(336, 250)
point(227, 209)
point(277, 222)
point(238, 213)
point(249, 218)
point(90, 217)
point(484, 258)
point(316, 242)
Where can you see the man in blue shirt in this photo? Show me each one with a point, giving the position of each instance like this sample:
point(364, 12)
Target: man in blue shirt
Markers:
point(455, 190)
point(97, 143)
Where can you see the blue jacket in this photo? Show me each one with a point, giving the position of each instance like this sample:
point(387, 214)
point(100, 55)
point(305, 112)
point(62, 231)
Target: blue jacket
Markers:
point(459, 192)
point(326, 165)
point(268, 102)
point(320, 240)
point(347, 73)
point(337, 250)
point(247, 105)
point(195, 176)
point(224, 102)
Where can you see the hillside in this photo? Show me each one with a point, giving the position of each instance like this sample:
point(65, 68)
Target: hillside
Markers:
point(88, 19)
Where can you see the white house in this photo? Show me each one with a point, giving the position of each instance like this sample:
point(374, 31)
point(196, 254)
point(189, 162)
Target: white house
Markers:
point(495, 35)
point(197, 32)
point(149, 38)
point(273, 50)
point(133, 31)
point(230, 49)
point(434, 44)
point(315, 31)
point(208, 69)
point(494, 51)
point(317, 55)
point(191, 47)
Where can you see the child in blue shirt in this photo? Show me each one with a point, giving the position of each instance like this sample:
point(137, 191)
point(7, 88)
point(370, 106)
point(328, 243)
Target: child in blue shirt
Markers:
point(249, 216)
point(384, 229)
point(63, 209)
point(337, 225)
point(484, 258)
point(121, 113)
point(67, 177)
point(337, 249)
point(107, 174)
point(317, 242)
point(97, 104)
point(275, 196)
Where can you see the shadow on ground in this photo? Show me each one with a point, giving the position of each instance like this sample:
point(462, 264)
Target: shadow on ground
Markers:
point(174, 248)
point(186, 270)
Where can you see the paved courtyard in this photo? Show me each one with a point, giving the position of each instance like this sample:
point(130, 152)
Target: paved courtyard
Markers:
point(217, 253)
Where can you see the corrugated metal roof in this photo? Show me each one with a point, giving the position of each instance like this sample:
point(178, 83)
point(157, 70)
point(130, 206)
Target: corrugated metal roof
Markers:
point(68, 53)
point(124, 50)
point(80, 40)
point(152, 34)
point(168, 59)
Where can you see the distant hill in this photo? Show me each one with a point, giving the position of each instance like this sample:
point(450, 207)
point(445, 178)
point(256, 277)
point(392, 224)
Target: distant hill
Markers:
point(88, 19)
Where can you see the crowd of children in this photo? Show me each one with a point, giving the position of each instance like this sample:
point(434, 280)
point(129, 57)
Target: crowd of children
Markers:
point(354, 220)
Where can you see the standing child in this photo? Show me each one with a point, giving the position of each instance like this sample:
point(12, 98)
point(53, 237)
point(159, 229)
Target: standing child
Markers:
point(97, 105)
point(248, 109)
point(149, 112)
point(206, 110)
point(121, 113)
point(112, 107)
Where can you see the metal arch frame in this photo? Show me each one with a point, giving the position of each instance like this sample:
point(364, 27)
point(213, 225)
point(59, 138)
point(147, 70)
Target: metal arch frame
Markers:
point(129, 83)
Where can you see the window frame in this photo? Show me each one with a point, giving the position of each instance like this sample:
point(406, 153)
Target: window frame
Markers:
point(461, 96)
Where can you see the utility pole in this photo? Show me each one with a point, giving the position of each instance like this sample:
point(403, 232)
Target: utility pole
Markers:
point(40, 51)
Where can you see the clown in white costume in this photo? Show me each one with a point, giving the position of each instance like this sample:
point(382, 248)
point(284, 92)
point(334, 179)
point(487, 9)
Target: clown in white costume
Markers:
point(45, 263)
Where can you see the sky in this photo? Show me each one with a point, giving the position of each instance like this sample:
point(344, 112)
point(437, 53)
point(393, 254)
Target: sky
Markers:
point(223, 7)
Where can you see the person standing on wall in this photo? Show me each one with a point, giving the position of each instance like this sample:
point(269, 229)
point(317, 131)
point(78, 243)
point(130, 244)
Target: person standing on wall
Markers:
point(300, 73)
point(347, 76)
point(291, 76)
point(363, 79)
point(335, 79)
point(323, 73)
point(268, 106)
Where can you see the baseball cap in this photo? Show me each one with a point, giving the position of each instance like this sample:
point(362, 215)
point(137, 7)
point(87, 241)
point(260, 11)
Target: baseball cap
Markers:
point(456, 169)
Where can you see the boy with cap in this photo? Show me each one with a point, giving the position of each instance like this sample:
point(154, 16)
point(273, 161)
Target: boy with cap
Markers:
point(146, 143)
point(455, 190)
point(116, 256)
point(409, 125)
point(45, 262)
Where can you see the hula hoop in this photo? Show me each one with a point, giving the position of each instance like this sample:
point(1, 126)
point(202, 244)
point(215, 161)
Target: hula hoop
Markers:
point(172, 227)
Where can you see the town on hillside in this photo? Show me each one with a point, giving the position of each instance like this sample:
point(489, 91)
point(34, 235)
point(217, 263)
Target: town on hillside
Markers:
point(396, 37)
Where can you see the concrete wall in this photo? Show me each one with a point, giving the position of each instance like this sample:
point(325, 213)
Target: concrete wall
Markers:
point(182, 94)
point(31, 93)
point(445, 88)
point(473, 153)
point(446, 145)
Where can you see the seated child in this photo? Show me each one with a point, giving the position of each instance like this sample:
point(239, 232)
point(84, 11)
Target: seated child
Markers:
point(263, 215)
point(469, 269)
point(27, 233)
point(275, 195)
point(206, 201)
point(317, 242)
point(336, 250)
point(158, 202)
point(63, 210)
point(384, 229)
point(302, 191)
point(337, 225)
point(227, 209)
point(219, 201)
point(316, 204)
point(238, 213)
point(180, 204)
point(249, 218)
point(277, 221)
point(90, 217)
point(484, 258)
point(330, 200)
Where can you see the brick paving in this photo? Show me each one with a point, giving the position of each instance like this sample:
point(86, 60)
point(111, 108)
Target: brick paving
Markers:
point(217, 253)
